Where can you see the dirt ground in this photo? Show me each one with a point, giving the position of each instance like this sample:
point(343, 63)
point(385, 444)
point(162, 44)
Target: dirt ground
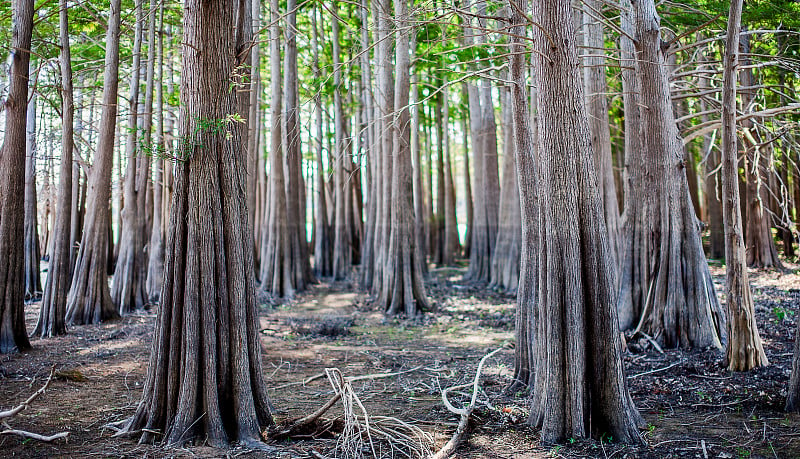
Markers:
point(693, 407)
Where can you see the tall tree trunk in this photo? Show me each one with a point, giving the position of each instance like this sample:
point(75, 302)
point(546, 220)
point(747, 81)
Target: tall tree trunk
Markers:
point(594, 77)
point(342, 255)
point(420, 208)
point(793, 392)
point(253, 122)
point(128, 284)
point(205, 380)
point(632, 262)
point(367, 267)
point(524, 112)
point(155, 264)
point(276, 273)
point(439, 256)
point(382, 10)
point(89, 299)
point(452, 245)
point(13, 337)
point(713, 184)
point(403, 292)
point(665, 279)
point(506, 256)
point(760, 246)
point(467, 182)
point(579, 382)
point(52, 313)
point(323, 243)
point(487, 186)
point(33, 281)
point(294, 187)
point(744, 350)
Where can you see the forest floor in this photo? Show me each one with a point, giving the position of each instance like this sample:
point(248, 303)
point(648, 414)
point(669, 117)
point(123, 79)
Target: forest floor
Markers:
point(693, 406)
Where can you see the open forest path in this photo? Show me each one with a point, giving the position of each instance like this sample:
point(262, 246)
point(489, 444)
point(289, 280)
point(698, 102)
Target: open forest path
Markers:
point(693, 407)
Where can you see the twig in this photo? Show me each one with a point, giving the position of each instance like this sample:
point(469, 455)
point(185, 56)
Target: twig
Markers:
point(657, 370)
point(34, 436)
point(16, 410)
point(449, 448)
point(652, 341)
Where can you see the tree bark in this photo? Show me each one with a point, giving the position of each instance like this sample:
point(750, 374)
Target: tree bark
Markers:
point(89, 299)
point(744, 349)
point(594, 78)
point(579, 382)
point(342, 255)
point(452, 245)
point(204, 380)
point(793, 392)
point(130, 272)
point(33, 281)
point(323, 242)
point(506, 257)
point(155, 263)
point(665, 279)
point(403, 292)
point(52, 313)
point(299, 263)
point(13, 337)
point(759, 243)
point(276, 273)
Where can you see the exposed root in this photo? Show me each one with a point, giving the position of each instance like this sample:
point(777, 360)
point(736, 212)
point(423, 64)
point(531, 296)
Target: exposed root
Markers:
point(361, 435)
point(450, 447)
point(7, 430)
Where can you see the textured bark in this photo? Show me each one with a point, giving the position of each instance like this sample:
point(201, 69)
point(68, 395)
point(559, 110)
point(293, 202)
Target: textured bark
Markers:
point(385, 114)
point(403, 292)
point(761, 250)
point(155, 248)
point(130, 271)
point(437, 225)
point(744, 349)
point(665, 280)
point(712, 182)
point(13, 337)
point(52, 313)
point(276, 273)
point(89, 299)
point(793, 392)
point(299, 262)
point(525, 119)
point(467, 184)
point(420, 208)
point(367, 267)
point(631, 259)
point(33, 281)
point(579, 382)
point(253, 120)
point(487, 187)
point(342, 255)
point(452, 245)
point(205, 381)
point(594, 78)
point(323, 242)
point(506, 257)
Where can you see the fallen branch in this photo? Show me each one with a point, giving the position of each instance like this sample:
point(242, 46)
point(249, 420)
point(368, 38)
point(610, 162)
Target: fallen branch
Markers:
point(450, 447)
point(22, 406)
point(31, 435)
point(657, 370)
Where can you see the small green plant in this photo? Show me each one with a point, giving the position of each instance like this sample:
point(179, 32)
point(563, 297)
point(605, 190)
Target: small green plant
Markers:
point(703, 396)
point(554, 451)
point(742, 452)
point(781, 313)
